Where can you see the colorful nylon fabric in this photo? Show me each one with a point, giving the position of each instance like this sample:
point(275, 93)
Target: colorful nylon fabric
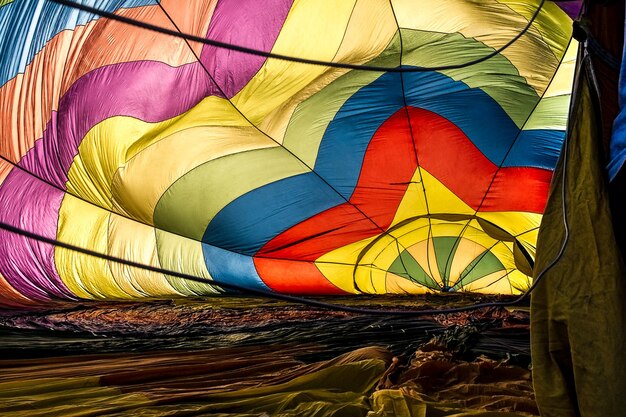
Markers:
point(270, 174)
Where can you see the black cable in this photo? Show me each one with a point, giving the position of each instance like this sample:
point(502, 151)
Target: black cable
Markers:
point(261, 293)
point(252, 51)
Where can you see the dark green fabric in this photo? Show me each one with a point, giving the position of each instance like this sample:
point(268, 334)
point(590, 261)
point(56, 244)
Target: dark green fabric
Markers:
point(578, 317)
point(406, 266)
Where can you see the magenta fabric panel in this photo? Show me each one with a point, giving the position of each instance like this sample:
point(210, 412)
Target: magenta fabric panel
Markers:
point(28, 265)
point(231, 23)
point(146, 90)
point(572, 8)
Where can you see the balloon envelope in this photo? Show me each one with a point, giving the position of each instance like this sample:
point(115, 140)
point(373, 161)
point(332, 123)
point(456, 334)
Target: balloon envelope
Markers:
point(277, 175)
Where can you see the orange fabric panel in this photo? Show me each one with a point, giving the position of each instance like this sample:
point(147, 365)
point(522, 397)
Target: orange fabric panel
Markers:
point(37, 92)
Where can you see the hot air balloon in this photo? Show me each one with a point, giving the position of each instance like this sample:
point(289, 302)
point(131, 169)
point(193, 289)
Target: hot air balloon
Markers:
point(418, 166)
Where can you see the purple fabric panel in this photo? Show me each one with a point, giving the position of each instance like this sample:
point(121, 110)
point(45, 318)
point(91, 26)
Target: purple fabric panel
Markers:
point(146, 90)
point(28, 265)
point(572, 8)
point(153, 91)
point(41, 165)
point(250, 23)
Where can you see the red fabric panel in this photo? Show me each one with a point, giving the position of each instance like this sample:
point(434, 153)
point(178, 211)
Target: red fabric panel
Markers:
point(294, 277)
point(388, 166)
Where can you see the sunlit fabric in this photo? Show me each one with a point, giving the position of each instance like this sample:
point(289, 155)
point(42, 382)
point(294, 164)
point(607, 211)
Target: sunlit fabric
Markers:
point(277, 175)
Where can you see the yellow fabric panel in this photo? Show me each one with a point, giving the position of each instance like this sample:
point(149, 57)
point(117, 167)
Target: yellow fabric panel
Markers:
point(553, 23)
point(332, 264)
point(517, 223)
point(371, 274)
point(552, 111)
point(529, 240)
point(278, 80)
point(177, 253)
point(396, 284)
point(74, 53)
point(502, 250)
point(472, 232)
point(514, 282)
point(372, 280)
point(372, 271)
point(489, 22)
point(131, 240)
point(276, 122)
point(494, 283)
point(424, 254)
point(466, 252)
point(340, 275)
point(370, 30)
point(86, 226)
point(386, 249)
point(519, 281)
point(167, 160)
point(111, 143)
point(413, 203)
point(562, 82)
point(440, 198)
point(211, 111)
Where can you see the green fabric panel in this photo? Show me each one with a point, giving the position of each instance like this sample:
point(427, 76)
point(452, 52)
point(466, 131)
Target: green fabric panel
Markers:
point(176, 256)
point(5, 2)
point(497, 76)
point(445, 248)
point(518, 99)
point(551, 113)
point(578, 314)
point(311, 118)
point(406, 266)
point(188, 206)
point(484, 264)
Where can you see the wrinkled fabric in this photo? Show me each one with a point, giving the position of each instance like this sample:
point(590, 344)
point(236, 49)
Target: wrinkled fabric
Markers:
point(436, 384)
point(577, 309)
point(207, 383)
point(264, 381)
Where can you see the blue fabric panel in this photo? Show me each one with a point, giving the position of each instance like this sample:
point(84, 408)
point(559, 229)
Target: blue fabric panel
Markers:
point(232, 268)
point(253, 219)
point(541, 147)
point(472, 110)
point(348, 135)
point(250, 221)
point(27, 25)
point(618, 139)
